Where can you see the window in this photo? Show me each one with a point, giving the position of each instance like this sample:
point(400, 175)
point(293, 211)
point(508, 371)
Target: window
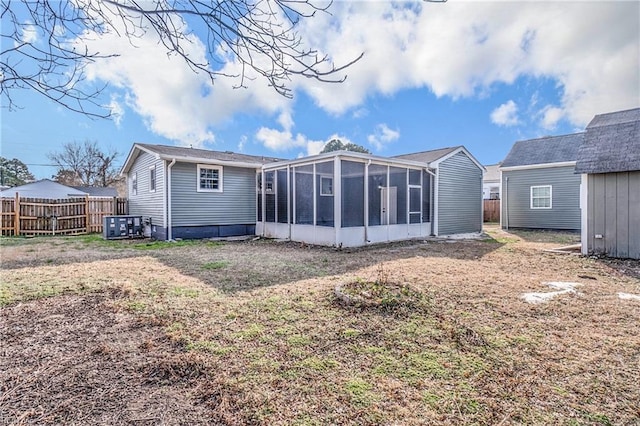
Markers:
point(209, 178)
point(326, 185)
point(541, 197)
point(494, 193)
point(134, 184)
point(152, 179)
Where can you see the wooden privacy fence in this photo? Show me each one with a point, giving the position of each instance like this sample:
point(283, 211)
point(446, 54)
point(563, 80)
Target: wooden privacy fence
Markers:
point(491, 210)
point(67, 216)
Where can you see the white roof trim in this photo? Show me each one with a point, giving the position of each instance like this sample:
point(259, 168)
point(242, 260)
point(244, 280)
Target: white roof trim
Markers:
point(539, 166)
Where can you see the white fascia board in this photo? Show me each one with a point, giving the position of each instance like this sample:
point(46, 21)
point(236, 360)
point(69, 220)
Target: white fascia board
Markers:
point(212, 162)
point(538, 166)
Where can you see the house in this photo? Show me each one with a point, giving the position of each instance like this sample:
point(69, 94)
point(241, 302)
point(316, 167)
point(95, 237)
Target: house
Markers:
point(491, 182)
point(608, 163)
point(539, 186)
point(45, 188)
point(97, 191)
point(349, 199)
point(192, 193)
point(338, 198)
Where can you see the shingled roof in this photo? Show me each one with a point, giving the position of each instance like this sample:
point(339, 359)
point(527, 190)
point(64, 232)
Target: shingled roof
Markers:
point(168, 152)
point(205, 154)
point(611, 143)
point(547, 150)
point(428, 156)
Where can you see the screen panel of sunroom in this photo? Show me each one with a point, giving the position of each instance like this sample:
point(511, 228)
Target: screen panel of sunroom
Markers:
point(377, 181)
point(282, 196)
point(398, 180)
point(270, 196)
point(352, 188)
point(304, 195)
point(324, 194)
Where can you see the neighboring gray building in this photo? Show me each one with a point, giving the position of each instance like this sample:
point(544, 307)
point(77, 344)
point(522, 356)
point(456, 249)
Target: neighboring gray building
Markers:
point(97, 191)
point(338, 198)
point(539, 187)
point(192, 193)
point(609, 163)
point(44, 188)
point(491, 182)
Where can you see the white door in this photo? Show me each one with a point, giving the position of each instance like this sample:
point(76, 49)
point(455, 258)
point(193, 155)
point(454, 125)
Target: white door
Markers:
point(389, 216)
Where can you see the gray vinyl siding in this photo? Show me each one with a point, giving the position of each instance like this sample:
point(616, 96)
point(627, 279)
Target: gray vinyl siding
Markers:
point(459, 196)
point(613, 212)
point(565, 201)
point(146, 203)
point(235, 205)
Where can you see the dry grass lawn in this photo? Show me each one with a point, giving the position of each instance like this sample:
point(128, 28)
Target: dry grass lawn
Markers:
point(251, 332)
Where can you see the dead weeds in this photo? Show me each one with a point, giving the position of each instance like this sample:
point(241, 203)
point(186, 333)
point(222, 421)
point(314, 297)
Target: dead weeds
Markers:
point(160, 338)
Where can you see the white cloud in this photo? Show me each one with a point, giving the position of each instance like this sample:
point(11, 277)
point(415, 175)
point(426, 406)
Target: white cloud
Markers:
point(242, 143)
point(551, 115)
point(117, 110)
point(174, 101)
point(455, 49)
point(462, 49)
point(382, 136)
point(29, 33)
point(506, 114)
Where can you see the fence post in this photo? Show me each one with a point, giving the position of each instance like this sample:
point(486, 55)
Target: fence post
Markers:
point(16, 217)
point(87, 215)
point(115, 206)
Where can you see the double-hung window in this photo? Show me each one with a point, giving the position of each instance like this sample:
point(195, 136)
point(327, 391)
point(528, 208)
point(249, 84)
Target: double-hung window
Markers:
point(541, 197)
point(134, 183)
point(209, 178)
point(152, 179)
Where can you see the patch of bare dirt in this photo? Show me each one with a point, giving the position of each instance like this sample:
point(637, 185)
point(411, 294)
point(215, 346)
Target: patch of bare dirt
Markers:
point(76, 360)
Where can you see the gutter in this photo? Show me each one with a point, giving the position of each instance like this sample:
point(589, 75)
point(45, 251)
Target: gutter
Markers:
point(168, 192)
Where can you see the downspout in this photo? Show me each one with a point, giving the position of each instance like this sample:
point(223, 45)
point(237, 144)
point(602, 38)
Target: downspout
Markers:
point(506, 202)
point(366, 202)
point(168, 192)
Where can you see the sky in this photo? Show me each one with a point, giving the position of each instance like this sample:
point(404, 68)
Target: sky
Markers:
point(473, 73)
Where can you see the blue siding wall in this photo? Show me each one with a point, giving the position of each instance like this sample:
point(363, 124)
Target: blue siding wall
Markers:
point(459, 196)
point(145, 203)
point(516, 198)
point(236, 205)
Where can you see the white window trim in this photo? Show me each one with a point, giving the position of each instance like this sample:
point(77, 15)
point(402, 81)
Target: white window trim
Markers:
point(550, 197)
point(220, 178)
point(322, 193)
point(134, 183)
point(155, 178)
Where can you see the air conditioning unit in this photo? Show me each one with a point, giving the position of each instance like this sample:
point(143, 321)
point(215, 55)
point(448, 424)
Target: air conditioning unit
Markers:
point(115, 227)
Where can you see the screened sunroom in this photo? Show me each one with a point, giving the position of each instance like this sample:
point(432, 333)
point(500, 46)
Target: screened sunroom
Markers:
point(344, 199)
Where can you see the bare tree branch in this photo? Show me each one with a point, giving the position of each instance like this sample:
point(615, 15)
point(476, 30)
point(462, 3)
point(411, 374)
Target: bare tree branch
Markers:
point(39, 53)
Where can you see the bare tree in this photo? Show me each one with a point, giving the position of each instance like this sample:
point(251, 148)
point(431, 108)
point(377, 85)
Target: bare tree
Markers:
point(260, 34)
point(85, 164)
